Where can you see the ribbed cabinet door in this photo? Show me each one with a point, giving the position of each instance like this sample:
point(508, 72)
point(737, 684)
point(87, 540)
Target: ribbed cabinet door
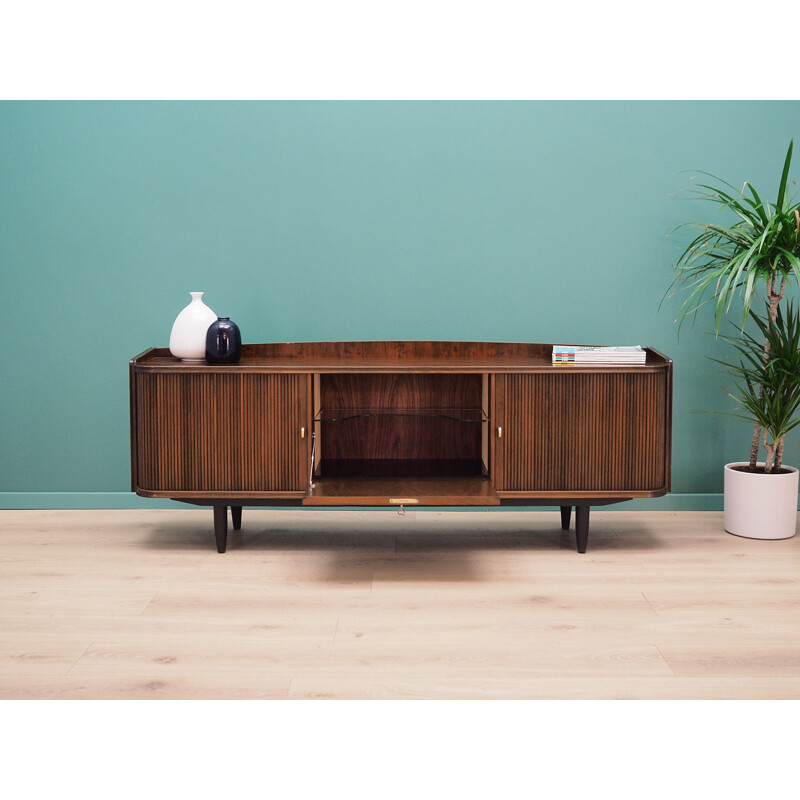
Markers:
point(582, 432)
point(213, 432)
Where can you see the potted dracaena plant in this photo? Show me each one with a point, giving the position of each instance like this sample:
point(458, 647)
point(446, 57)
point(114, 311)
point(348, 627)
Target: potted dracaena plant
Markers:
point(761, 503)
point(759, 248)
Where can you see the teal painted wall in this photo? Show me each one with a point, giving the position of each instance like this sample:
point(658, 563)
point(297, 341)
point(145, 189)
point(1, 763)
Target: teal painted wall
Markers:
point(537, 221)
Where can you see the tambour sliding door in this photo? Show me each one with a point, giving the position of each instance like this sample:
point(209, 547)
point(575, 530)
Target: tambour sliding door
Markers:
point(570, 432)
point(216, 432)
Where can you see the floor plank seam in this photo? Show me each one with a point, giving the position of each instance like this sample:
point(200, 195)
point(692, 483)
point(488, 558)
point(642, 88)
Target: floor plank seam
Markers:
point(86, 650)
point(650, 605)
point(669, 666)
point(149, 603)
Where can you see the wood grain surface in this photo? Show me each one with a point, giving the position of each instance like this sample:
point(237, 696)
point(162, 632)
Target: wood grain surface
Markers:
point(372, 604)
point(420, 356)
point(599, 432)
point(398, 427)
point(218, 433)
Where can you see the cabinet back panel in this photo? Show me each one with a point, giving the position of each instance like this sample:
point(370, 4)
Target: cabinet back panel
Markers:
point(378, 438)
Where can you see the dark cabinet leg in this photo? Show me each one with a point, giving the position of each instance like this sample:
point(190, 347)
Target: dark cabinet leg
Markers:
point(221, 527)
point(566, 514)
point(582, 527)
point(236, 516)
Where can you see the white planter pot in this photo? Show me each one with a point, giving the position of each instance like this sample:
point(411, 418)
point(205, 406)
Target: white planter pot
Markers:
point(760, 506)
point(187, 340)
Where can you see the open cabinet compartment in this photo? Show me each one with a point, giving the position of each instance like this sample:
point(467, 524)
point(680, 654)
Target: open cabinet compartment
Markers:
point(383, 438)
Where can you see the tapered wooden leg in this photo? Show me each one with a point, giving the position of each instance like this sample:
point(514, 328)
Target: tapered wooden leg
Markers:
point(566, 514)
point(221, 527)
point(582, 527)
point(236, 516)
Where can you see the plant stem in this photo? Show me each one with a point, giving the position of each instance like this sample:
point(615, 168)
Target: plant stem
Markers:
point(755, 445)
point(770, 459)
point(779, 452)
point(774, 300)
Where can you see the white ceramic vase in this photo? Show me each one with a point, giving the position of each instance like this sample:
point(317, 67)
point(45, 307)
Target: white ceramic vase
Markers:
point(759, 506)
point(188, 338)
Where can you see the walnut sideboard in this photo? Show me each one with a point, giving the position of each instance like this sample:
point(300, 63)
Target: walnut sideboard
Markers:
point(410, 423)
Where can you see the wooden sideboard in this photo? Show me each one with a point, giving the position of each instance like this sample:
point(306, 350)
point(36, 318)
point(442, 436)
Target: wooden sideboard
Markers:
point(399, 424)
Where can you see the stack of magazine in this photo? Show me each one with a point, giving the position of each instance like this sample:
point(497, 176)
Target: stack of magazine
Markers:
point(579, 354)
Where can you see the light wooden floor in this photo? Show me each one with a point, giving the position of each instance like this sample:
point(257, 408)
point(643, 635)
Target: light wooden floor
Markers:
point(350, 604)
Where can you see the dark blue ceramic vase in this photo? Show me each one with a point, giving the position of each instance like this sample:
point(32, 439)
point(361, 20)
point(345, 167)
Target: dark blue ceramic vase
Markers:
point(223, 342)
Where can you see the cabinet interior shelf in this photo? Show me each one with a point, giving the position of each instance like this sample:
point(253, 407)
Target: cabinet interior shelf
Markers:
point(454, 414)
